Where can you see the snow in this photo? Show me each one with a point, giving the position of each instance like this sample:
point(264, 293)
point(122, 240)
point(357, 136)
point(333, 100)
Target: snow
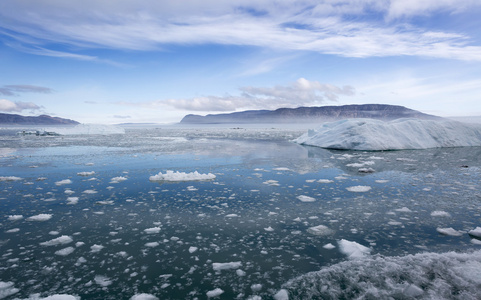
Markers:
point(358, 188)
point(448, 275)
point(226, 266)
point(214, 293)
point(304, 198)
point(61, 240)
point(143, 296)
point(353, 249)
point(40, 217)
point(181, 176)
point(376, 135)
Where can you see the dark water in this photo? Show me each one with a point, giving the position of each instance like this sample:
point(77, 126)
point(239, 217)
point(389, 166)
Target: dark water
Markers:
point(249, 215)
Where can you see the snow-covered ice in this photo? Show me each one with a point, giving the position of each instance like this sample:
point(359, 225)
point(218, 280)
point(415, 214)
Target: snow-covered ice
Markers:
point(353, 249)
point(358, 188)
point(375, 135)
point(320, 230)
point(214, 293)
point(475, 232)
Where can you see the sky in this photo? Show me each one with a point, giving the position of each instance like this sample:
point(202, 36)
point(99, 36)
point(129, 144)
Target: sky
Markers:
point(155, 61)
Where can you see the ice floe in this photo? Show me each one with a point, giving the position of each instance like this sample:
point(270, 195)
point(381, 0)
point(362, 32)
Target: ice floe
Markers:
point(304, 198)
point(10, 178)
point(143, 296)
point(449, 231)
point(422, 276)
point(40, 217)
point(371, 134)
point(226, 266)
point(61, 240)
point(181, 176)
point(353, 249)
point(358, 188)
point(7, 289)
point(320, 230)
point(214, 293)
point(475, 232)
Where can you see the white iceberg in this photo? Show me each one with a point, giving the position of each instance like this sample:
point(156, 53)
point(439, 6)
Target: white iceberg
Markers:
point(181, 176)
point(370, 134)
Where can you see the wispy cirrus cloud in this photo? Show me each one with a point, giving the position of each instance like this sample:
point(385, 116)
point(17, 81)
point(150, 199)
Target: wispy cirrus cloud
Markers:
point(13, 90)
point(302, 92)
point(338, 27)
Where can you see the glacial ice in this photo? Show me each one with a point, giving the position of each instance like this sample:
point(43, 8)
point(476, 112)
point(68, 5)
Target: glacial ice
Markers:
point(377, 135)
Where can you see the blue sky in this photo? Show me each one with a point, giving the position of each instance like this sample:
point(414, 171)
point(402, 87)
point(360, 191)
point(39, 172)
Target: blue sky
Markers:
point(122, 61)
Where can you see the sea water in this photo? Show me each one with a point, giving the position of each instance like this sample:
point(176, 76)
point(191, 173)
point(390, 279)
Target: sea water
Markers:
point(80, 217)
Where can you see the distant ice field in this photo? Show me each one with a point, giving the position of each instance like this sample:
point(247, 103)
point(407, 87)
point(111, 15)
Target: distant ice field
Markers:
point(234, 213)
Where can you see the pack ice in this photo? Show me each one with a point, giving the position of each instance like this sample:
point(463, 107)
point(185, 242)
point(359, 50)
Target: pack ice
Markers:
point(370, 134)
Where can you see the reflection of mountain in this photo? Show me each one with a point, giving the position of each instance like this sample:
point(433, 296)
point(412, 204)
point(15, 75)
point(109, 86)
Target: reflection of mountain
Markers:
point(311, 114)
point(13, 119)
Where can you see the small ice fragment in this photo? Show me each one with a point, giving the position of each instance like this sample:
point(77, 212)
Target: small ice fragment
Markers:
point(449, 231)
point(61, 240)
point(13, 230)
point(214, 293)
point(181, 176)
point(15, 217)
point(269, 229)
point(72, 200)
point(256, 287)
point(324, 181)
point(329, 246)
point(353, 249)
point(475, 232)
point(440, 213)
point(320, 230)
point(193, 249)
point(281, 169)
point(86, 173)
point(226, 266)
point(231, 216)
point(358, 188)
point(62, 182)
point(404, 209)
point(102, 280)
point(143, 296)
point(65, 251)
point(152, 244)
point(96, 248)
point(10, 178)
point(152, 230)
point(118, 179)
point(240, 273)
point(304, 198)
point(7, 289)
point(40, 217)
point(90, 192)
point(281, 295)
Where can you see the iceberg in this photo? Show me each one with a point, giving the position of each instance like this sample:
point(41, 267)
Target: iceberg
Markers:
point(377, 135)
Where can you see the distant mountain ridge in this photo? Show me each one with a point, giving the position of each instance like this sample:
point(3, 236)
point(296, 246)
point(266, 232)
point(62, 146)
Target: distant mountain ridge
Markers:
point(310, 114)
point(13, 119)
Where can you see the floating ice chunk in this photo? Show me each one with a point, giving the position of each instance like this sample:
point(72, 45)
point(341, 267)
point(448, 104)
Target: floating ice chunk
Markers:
point(304, 198)
point(214, 293)
point(475, 232)
point(72, 200)
point(7, 289)
point(329, 246)
point(13, 230)
point(143, 296)
point(320, 230)
point(226, 266)
point(381, 181)
point(256, 287)
point(40, 217)
point(152, 244)
point(181, 176)
point(404, 209)
point(61, 240)
point(15, 217)
point(89, 173)
point(440, 213)
point(358, 188)
point(152, 230)
point(325, 181)
point(353, 249)
point(65, 251)
point(118, 179)
point(63, 182)
point(269, 229)
point(102, 280)
point(90, 192)
point(240, 273)
point(271, 182)
point(371, 134)
point(96, 248)
point(394, 223)
point(231, 216)
point(281, 295)
point(366, 170)
point(10, 178)
point(193, 249)
point(449, 231)
point(281, 169)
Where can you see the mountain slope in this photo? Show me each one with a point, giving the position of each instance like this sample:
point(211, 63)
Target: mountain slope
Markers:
point(12, 119)
point(310, 114)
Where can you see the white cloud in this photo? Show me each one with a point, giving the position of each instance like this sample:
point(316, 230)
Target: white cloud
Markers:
point(337, 27)
point(299, 93)
point(10, 106)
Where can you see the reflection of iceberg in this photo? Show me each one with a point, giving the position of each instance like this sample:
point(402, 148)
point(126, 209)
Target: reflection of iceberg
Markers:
point(90, 129)
point(427, 276)
point(369, 134)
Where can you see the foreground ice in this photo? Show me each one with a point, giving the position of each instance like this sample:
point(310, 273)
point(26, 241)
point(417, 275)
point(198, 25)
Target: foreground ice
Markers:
point(422, 276)
point(90, 129)
point(181, 176)
point(370, 134)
